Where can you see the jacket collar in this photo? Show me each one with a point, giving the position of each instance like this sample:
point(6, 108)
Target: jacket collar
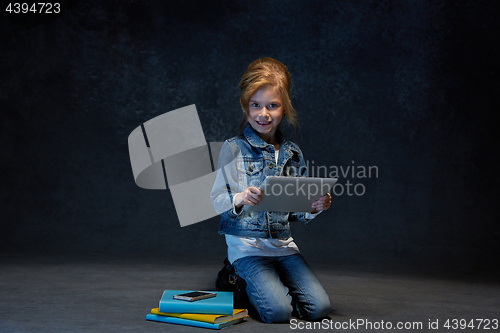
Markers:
point(255, 140)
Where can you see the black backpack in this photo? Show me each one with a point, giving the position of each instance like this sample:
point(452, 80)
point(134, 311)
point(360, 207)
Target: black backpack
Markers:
point(228, 280)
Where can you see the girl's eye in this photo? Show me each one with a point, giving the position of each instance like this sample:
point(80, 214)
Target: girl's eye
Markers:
point(255, 105)
point(273, 106)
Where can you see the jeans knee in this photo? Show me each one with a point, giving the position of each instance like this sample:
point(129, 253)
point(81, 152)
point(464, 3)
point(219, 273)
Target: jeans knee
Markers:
point(321, 311)
point(278, 313)
point(317, 310)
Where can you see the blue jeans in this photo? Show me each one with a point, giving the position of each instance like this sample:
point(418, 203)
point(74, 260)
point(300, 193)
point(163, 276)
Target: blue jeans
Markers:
point(278, 287)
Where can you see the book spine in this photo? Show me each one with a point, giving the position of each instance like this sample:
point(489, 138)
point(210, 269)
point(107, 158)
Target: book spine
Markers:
point(217, 309)
point(180, 321)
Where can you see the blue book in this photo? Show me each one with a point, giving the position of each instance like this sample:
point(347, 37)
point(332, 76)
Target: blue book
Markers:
point(189, 322)
point(222, 304)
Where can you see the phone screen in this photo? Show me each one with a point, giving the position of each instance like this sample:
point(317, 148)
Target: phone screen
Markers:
point(194, 294)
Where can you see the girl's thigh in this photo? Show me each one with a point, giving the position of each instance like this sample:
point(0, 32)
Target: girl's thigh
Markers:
point(265, 291)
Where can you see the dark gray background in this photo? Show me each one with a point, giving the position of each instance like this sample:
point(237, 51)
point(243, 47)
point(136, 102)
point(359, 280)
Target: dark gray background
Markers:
point(408, 86)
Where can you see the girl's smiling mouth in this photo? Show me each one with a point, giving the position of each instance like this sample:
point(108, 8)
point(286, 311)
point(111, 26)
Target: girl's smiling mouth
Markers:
point(263, 123)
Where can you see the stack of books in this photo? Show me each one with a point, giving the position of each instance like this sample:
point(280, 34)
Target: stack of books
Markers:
point(215, 312)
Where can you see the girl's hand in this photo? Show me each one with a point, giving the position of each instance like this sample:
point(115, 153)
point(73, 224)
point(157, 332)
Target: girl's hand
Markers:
point(251, 196)
point(322, 203)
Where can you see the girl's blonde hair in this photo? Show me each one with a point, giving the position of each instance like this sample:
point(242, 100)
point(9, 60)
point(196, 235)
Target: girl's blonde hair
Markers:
point(267, 72)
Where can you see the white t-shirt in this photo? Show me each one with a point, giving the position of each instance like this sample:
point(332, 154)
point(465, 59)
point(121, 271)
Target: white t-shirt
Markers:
point(239, 247)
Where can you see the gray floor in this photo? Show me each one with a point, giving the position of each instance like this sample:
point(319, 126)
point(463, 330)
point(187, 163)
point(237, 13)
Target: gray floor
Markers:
point(78, 295)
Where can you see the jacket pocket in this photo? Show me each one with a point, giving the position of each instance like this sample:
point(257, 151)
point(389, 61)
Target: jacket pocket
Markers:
point(251, 171)
point(293, 169)
point(251, 166)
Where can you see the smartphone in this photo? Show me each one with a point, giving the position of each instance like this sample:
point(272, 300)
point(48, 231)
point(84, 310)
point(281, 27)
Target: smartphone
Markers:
point(195, 296)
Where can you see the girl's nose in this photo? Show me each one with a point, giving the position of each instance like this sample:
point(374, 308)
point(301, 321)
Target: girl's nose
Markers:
point(264, 111)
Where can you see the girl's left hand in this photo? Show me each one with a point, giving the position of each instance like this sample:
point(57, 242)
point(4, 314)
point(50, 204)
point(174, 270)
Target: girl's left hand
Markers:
point(322, 203)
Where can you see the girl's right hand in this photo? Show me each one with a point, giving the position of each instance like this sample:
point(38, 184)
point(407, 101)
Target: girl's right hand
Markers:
point(251, 196)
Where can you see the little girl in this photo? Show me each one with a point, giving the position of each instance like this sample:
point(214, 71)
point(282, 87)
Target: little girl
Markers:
point(279, 282)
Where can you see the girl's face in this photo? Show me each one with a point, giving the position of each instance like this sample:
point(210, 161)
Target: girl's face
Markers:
point(265, 111)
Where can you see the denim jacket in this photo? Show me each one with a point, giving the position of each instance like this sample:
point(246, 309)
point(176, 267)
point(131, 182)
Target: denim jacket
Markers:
point(245, 160)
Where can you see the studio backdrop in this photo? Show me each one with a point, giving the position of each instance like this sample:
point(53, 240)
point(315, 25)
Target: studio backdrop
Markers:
point(398, 99)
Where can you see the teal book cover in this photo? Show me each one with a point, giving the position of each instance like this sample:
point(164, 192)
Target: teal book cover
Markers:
point(222, 304)
point(195, 323)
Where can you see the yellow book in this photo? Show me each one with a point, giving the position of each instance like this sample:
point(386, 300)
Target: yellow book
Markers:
point(207, 318)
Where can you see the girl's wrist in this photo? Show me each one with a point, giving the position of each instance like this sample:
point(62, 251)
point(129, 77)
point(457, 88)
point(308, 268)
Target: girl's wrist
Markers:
point(237, 202)
point(237, 207)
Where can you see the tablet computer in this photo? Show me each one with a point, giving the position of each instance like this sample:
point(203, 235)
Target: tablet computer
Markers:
point(291, 194)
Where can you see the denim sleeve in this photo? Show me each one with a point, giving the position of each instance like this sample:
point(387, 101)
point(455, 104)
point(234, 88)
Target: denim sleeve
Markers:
point(228, 182)
point(300, 216)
